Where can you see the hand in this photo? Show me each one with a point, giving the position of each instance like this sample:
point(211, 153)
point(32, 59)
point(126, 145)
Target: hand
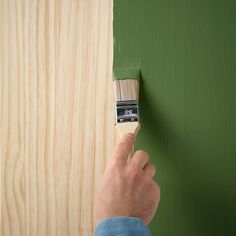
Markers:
point(127, 188)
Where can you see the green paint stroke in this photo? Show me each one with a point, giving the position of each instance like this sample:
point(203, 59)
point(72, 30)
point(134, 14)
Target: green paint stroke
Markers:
point(126, 73)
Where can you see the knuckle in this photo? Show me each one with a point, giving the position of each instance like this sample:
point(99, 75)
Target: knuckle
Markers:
point(149, 183)
point(154, 192)
point(157, 189)
point(152, 167)
point(143, 154)
point(156, 186)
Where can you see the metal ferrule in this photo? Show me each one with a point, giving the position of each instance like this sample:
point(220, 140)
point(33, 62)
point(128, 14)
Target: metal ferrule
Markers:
point(127, 111)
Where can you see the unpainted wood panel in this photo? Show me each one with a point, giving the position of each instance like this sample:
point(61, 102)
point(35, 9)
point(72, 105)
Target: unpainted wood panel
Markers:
point(56, 113)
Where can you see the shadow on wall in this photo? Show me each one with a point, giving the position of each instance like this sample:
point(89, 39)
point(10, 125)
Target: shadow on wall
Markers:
point(206, 200)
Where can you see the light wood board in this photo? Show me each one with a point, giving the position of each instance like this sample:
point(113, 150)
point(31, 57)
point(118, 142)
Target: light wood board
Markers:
point(57, 113)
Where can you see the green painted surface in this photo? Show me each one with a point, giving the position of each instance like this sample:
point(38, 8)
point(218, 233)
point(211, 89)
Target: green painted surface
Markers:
point(186, 50)
point(126, 73)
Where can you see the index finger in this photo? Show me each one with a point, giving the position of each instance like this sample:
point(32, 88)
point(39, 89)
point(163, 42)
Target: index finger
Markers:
point(124, 147)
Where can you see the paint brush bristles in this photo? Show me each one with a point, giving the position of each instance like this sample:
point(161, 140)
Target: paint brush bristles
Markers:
point(126, 90)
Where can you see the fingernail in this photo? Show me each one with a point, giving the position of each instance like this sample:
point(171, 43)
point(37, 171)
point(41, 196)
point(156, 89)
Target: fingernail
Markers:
point(131, 135)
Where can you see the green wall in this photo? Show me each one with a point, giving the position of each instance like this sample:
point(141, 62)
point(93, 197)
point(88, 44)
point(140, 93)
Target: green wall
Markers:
point(186, 50)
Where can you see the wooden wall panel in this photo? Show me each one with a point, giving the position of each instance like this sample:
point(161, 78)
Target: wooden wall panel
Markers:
point(56, 113)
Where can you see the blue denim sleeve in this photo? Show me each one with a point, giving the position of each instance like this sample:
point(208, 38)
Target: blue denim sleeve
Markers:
point(122, 226)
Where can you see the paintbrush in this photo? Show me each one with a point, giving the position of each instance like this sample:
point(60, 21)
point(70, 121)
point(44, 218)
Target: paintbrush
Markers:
point(126, 86)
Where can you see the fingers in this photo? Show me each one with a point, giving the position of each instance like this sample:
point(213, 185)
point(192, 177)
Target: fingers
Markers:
point(140, 159)
point(124, 147)
point(150, 169)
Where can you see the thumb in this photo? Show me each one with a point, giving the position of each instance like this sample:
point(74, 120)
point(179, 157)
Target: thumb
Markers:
point(124, 147)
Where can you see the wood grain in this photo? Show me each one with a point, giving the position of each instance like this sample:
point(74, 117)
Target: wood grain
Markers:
point(57, 112)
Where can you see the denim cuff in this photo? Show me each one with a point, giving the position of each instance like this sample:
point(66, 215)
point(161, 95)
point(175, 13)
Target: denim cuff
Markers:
point(122, 226)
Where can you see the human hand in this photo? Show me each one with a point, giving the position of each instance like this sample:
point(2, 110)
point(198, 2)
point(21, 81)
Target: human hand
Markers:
point(127, 188)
